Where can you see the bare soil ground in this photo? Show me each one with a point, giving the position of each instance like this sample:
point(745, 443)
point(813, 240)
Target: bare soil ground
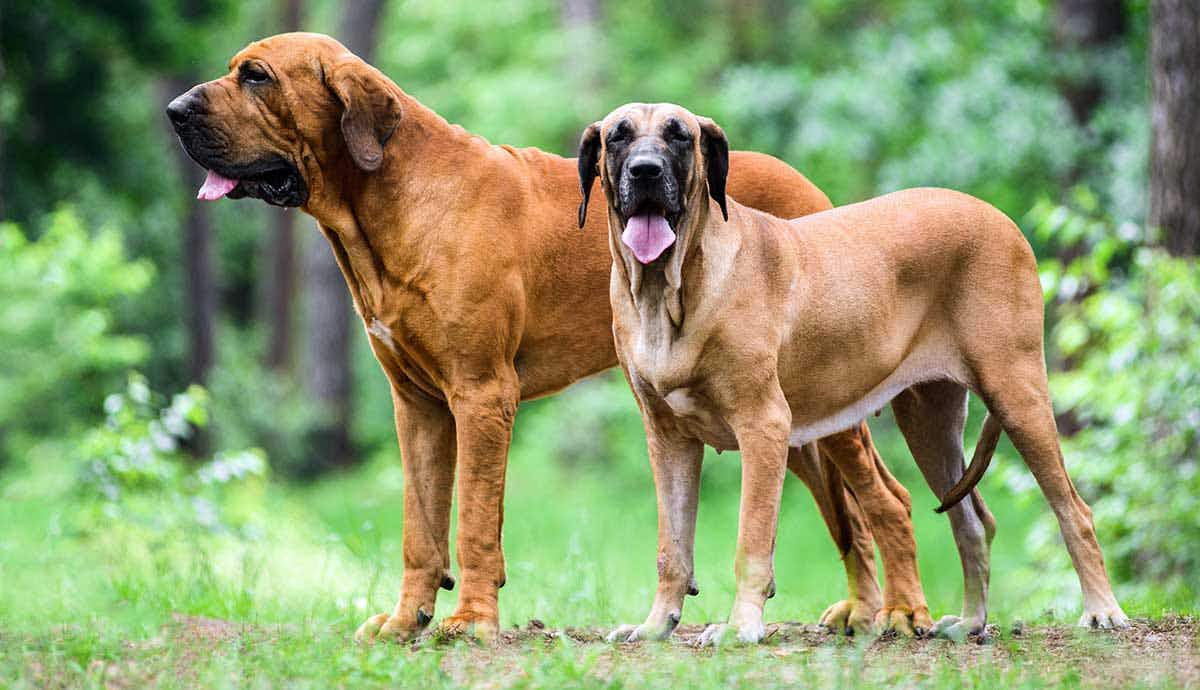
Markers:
point(1152, 653)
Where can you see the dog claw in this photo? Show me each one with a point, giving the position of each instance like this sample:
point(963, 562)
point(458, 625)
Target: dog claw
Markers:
point(423, 618)
point(1104, 620)
point(447, 582)
point(848, 617)
point(904, 621)
point(718, 634)
point(368, 632)
point(480, 628)
point(956, 628)
point(693, 588)
point(645, 631)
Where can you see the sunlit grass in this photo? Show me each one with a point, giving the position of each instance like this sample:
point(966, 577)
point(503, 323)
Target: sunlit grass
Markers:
point(79, 600)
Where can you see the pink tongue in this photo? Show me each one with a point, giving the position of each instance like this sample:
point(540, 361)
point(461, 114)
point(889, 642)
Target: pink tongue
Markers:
point(215, 186)
point(648, 236)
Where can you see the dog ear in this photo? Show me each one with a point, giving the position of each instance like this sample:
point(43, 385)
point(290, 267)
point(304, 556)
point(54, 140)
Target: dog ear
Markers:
point(370, 110)
point(589, 165)
point(716, 161)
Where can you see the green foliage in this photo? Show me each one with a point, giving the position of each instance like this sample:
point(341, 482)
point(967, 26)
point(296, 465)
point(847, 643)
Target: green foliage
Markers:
point(57, 331)
point(1126, 326)
point(256, 407)
point(136, 467)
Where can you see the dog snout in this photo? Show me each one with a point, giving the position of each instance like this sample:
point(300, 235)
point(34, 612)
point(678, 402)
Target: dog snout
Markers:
point(645, 168)
point(184, 107)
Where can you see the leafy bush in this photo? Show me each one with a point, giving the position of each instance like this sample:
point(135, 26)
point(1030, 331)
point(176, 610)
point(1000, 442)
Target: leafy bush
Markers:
point(61, 351)
point(1126, 326)
point(136, 467)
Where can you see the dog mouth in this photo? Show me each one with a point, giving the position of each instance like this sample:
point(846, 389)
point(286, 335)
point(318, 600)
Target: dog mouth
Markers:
point(274, 181)
point(649, 232)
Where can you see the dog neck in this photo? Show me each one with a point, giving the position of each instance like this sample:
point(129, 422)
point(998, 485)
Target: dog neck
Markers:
point(656, 290)
point(376, 251)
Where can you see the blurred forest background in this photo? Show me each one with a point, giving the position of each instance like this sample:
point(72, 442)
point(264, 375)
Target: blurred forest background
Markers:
point(1078, 118)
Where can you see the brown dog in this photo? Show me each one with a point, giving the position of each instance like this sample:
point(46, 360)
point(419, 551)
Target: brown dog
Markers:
point(477, 292)
point(741, 330)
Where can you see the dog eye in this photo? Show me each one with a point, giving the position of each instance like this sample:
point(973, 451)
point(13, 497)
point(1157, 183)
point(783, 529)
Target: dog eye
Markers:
point(680, 135)
point(254, 75)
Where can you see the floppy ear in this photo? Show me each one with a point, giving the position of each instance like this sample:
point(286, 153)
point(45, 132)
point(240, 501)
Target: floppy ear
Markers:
point(716, 161)
point(589, 165)
point(370, 110)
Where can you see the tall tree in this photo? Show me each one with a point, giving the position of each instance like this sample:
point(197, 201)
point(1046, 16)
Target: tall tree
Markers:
point(1175, 118)
point(200, 284)
point(281, 253)
point(327, 302)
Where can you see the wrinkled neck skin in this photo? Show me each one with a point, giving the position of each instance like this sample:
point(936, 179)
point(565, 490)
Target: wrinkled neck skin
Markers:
point(656, 290)
point(376, 250)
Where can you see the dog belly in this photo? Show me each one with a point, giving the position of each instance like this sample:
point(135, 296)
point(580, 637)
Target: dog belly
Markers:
point(930, 363)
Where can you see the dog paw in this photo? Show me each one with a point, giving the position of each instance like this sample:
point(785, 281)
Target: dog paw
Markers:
point(1106, 618)
point(957, 628)
point(368, 632)
point(904, 621)
point(719, 634)
point(470, 625)
point(384, 628)
point(649, 630)
point(849, 617)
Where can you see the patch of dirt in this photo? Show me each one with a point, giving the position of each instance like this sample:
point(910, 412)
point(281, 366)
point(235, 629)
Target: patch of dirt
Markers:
point(1157, 652)
point(1153, 652)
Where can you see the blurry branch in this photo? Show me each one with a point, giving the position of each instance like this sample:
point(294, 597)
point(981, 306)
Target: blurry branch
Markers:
point(1175, 118)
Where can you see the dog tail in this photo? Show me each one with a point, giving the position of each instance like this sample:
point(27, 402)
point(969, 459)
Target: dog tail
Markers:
point(988, 437)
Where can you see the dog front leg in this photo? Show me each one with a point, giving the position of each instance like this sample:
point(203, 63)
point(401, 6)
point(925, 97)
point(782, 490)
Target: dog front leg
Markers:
point(675, 462)
point(763, 439)
point(425, 429)
point(483, 414)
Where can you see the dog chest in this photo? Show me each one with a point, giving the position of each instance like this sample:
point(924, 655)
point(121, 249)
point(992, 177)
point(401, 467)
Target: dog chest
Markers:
point(697, 417)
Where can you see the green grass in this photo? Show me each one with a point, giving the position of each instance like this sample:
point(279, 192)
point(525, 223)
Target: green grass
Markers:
point(104, 602)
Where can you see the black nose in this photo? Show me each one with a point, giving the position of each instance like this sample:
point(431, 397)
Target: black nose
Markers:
point(645, 168)
point(180, 109)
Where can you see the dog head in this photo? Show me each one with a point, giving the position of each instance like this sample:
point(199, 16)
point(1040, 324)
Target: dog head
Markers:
point(659, 165)
point(290, 110)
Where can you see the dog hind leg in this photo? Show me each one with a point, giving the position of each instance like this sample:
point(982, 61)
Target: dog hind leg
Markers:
point(850, 533)
point(1018, 394)
point(887, 507)
point(931, 417)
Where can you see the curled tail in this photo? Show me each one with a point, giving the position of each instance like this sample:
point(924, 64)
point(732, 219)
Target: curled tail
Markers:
point(988, 437)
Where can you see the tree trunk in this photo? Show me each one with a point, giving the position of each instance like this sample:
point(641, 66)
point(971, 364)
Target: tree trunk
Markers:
point(1175, 117)
point(327, 301)
point(328, 374)
point(281, 254)
point(200, 286)
point(358, 26)
point(1087, 27)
